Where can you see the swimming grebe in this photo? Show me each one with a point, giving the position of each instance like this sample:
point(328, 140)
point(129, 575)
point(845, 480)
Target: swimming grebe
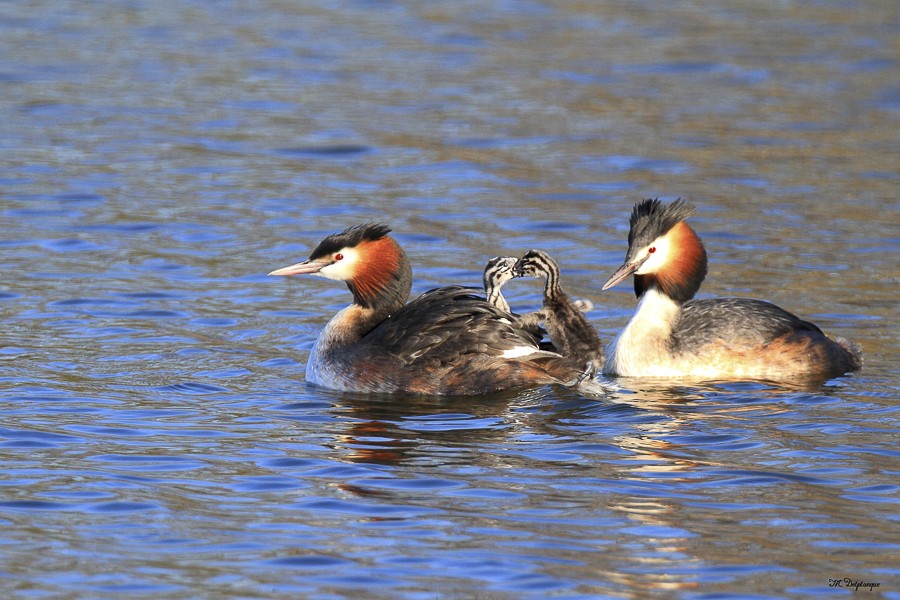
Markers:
point(497, 272)
point(568, 328)
point(447, 341)
point(671, 335)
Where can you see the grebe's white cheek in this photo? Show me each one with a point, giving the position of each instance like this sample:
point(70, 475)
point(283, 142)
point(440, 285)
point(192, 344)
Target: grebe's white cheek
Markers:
point(344, 269)
point(657, 258)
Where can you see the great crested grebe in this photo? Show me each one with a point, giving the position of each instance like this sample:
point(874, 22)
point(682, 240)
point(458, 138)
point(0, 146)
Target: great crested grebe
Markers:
point(447, 341)
point(567, 327)
point(500, 270)
point(497, 272)
point(671, 335)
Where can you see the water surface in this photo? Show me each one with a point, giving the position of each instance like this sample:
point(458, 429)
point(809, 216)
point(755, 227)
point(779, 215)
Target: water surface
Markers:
point(157, 437)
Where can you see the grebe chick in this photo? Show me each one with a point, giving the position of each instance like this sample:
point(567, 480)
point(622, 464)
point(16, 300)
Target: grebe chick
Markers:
point(497, 272)
point(568, 328)
point(447, 341)
point(671, 335)
point(500, 270)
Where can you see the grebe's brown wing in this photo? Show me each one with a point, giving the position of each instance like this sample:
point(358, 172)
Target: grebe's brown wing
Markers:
point(444, 324)
point(736, 319)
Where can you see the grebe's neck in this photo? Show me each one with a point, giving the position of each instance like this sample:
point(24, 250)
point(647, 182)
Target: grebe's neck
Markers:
point(495, 297)
point(383, 279)
point(681, 276)
point(552, 289)
point(644, 345)
point(348, 326)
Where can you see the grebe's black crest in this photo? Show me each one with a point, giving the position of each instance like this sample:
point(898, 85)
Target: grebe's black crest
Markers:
point(652, 218)
point(350, 238)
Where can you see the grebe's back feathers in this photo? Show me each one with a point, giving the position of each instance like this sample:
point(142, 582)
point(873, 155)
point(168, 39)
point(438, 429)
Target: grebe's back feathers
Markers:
point(743, 320)
point(747, 323)
point(449, 322)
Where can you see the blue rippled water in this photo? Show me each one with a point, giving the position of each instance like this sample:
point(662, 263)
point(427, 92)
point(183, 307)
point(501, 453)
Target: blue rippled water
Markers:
point(157, 437)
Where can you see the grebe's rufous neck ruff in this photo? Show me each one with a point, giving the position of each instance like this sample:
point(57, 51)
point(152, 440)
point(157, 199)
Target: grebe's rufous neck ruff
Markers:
point(672, 335)
point(447, 341)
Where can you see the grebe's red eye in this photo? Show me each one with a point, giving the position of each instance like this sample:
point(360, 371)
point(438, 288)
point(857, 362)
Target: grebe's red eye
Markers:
point(338, 256)
point(651, 249)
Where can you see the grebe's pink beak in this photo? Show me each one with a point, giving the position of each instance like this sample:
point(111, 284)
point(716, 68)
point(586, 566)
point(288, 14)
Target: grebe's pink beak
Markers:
point(306, 267)
point(622, 273)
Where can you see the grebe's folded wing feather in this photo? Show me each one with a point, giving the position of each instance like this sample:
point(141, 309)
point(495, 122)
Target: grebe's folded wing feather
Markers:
point(737, 319)
point(445, 323)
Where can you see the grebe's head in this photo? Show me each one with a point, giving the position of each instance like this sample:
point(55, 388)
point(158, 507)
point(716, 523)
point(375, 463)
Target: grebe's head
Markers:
point(536, 263)
point(498, 271)
point(371, 262)
point(663, 250)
